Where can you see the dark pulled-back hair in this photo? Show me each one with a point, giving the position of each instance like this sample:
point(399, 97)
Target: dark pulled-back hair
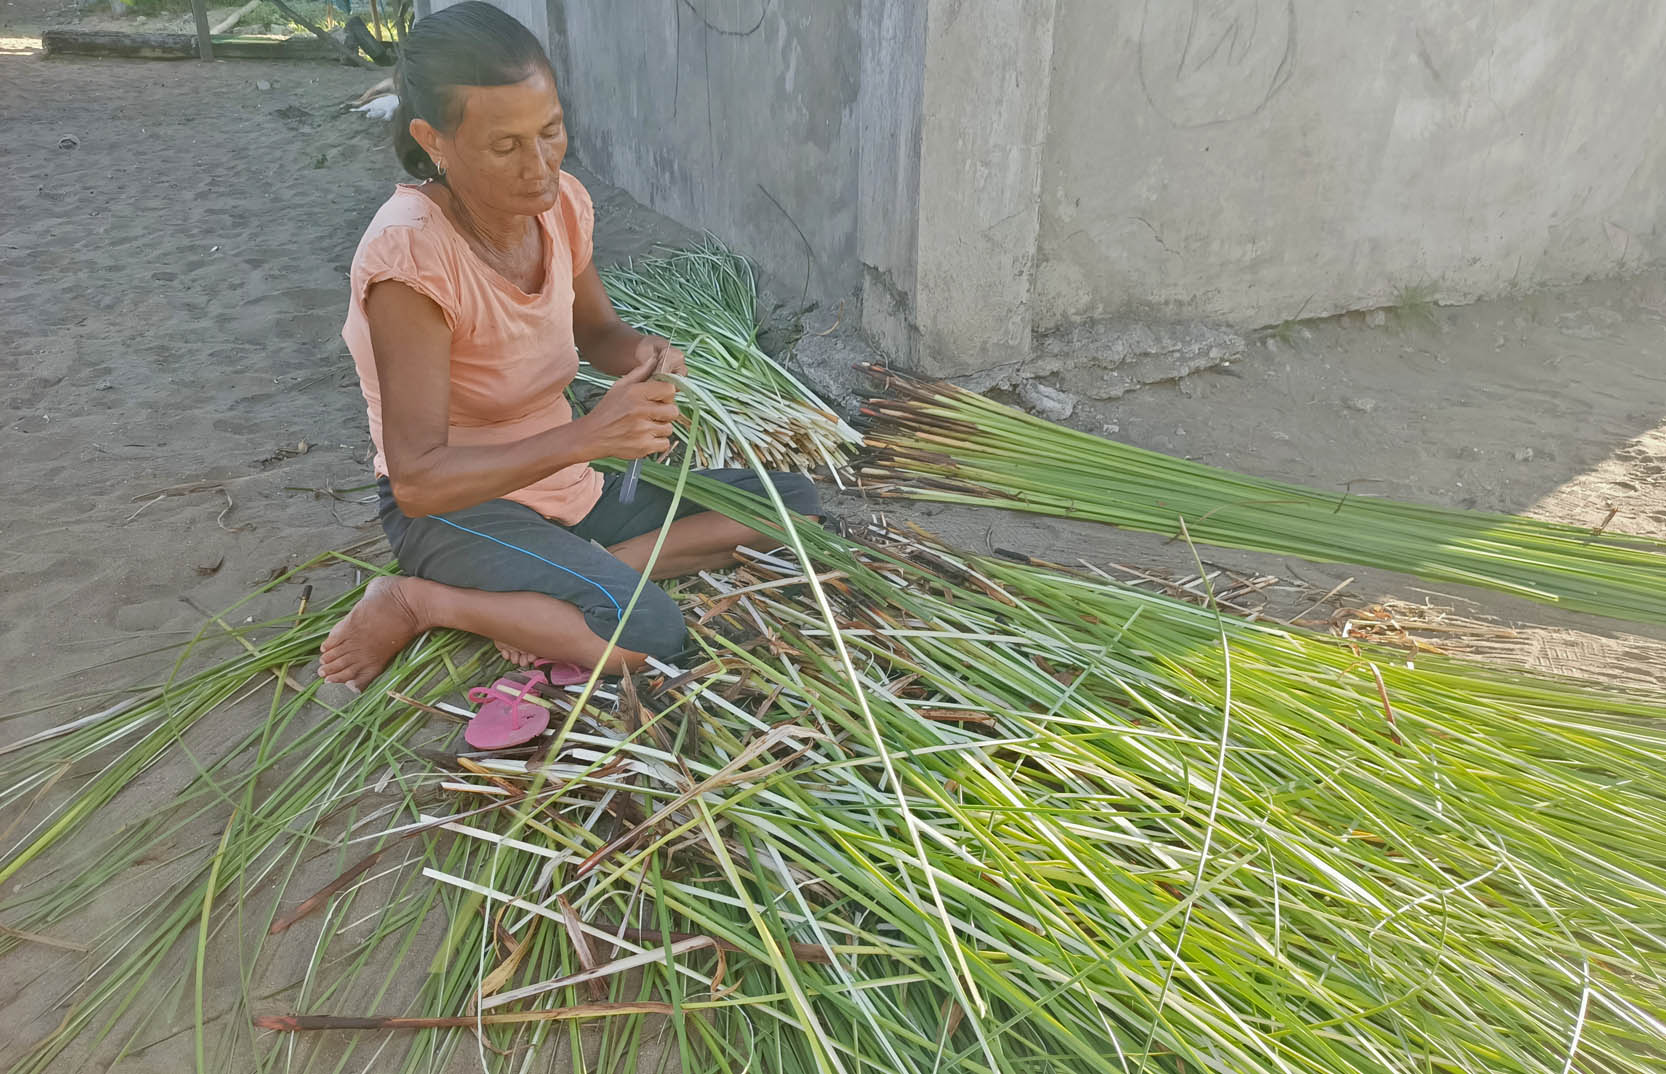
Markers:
point(467, 44)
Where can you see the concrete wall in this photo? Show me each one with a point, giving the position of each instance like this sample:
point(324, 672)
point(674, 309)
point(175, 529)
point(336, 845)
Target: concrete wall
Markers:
point(951, 148)
point(735, 116)
point(533, 14)
point(1014, 187)
point(981, 138)
point(1252, 160)
point(888, 108)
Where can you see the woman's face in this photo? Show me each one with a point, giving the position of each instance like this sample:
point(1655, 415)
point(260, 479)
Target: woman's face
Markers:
point(505, 154)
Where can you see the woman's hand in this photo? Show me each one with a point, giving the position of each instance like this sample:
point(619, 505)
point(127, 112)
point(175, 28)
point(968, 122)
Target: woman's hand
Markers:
point(659, 355)
point(633, 420)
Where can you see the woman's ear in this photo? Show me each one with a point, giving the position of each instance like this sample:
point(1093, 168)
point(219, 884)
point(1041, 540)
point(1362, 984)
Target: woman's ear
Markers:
point(429, 139)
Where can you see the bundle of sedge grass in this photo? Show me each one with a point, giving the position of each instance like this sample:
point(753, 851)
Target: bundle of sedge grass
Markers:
point(902, 809)
point(938, 442)
point(704, 300)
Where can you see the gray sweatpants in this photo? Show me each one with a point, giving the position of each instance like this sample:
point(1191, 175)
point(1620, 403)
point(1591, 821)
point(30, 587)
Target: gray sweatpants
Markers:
point(505, 547)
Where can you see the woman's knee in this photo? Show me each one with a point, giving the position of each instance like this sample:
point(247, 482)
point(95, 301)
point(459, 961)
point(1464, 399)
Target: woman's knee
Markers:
point(654, 626)
point(798, 493)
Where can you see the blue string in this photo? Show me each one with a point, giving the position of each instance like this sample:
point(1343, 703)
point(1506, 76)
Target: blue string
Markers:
point(617, 610)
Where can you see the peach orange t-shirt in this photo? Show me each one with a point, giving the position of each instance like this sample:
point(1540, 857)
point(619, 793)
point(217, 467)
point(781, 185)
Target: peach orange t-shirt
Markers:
point(512, 354)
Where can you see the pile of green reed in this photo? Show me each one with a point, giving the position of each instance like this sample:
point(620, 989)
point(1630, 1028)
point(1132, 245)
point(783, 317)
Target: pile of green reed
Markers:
point(934, 441)
point(903, 809)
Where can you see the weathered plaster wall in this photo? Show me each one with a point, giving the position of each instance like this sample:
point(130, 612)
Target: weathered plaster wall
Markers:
point(533, 14)
point(893, 44)
point(736, 116)
point(984, 113)
point(1252, 160)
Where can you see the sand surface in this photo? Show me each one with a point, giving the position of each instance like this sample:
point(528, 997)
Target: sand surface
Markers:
point(176, 405)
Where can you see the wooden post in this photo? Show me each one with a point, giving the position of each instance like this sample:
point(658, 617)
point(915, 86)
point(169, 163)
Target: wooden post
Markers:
point(205, 40)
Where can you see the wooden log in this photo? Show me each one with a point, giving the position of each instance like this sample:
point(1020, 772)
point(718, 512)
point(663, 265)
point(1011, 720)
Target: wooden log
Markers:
point(233, 19)
point(112, 43)
point(205, 39)
point(115, 43)
point(265, 48)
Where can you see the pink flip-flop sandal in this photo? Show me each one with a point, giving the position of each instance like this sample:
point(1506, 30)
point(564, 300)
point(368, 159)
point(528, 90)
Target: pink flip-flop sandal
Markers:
point(507, 716)
point(561, 673)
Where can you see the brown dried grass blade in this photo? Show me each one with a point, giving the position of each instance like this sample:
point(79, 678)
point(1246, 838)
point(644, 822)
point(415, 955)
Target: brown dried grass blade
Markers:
point(312, 1023)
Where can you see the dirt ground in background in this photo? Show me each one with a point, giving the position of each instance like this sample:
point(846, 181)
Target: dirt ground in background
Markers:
point(25, 16)
point(177, 400)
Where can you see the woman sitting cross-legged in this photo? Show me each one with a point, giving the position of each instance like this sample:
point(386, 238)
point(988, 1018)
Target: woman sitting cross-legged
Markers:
point(473, 296)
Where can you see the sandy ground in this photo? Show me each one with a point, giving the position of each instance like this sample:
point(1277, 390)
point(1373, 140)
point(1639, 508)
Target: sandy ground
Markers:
point(177, 403)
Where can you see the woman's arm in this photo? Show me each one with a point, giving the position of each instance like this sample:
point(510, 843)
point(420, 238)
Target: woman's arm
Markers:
point(412, 346)
point(610, 344)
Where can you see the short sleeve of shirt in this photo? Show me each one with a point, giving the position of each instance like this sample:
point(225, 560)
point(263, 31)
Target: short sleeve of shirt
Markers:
point(578, 221)
point(415, 257)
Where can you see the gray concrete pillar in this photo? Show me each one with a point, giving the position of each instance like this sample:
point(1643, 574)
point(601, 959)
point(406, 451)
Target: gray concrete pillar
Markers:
point(893, 44)
point(948, 293)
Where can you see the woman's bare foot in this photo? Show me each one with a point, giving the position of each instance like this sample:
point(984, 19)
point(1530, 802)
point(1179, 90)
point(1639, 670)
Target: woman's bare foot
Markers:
point(518, 657)
point(379, 626)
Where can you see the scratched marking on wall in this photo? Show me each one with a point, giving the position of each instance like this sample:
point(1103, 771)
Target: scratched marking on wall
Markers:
point(731, 18)
point(1203, 62)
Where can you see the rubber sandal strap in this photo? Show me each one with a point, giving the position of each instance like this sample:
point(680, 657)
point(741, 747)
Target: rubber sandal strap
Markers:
point(563, 673)
point(482, 695)
point(526, 683)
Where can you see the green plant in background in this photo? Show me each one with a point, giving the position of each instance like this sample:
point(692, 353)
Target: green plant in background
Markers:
point(1287, 331)
point(267, 14)
point(403, 12)
point(157, 7)
point(264, 14)
point(1415, 306)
